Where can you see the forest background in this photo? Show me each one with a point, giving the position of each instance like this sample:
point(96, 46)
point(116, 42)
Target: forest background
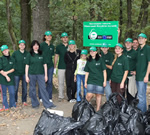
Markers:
point(29, 19)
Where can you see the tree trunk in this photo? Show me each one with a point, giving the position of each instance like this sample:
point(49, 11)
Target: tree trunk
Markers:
point(26, 22)
point(41, 18)
point(120, 19)
point(145, 16)
point(129, 21)
point(10, 25)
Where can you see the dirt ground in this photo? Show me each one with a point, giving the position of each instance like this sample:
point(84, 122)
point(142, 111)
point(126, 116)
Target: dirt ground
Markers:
point(23, 119)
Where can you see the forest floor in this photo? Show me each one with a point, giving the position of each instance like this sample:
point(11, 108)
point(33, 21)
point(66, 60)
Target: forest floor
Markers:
point(23, 119)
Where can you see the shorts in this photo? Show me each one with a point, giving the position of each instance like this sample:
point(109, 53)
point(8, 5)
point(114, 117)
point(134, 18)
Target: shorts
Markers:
point(95, 89)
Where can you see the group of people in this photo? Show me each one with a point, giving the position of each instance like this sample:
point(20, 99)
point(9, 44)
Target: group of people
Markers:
point(125, 72)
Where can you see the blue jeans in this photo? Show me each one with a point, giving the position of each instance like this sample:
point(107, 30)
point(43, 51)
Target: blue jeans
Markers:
point(42, 87)
point(142, 87)
point(107, 90)
point(11, 90)
point(49, 83)
point(24, 88)
point(79, 79)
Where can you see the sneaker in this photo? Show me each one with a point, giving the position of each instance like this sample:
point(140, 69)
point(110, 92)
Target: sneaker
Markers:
point(25, 104)
point(2, 110)
point(71, 101)
point(41, 100)
point(53, 106)
point(50, 100)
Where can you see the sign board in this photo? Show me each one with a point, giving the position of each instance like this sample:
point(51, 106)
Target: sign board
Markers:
point(96, 33)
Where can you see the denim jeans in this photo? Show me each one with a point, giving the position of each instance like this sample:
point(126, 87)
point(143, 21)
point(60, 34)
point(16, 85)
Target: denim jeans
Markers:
point(49, 84)
point(80, 78)
point(24, 88)
point(42, 87)
point(142, 87)
point(11, 90)
point(107, 90)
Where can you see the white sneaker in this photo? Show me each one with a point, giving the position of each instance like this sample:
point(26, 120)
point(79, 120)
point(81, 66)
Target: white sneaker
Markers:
point(50, 100)
point(71, 101)
point(41, 100)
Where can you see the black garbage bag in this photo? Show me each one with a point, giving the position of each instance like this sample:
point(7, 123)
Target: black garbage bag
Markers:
point(82, 111)
point(147, 130)
point(53, 124)
point(147, 121)
point(96, 125)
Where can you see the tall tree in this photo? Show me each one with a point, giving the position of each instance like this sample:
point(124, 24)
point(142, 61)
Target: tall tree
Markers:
point(10, 25)
point(121, 17)
point(41, 19)
point(129, 21)
point(26, 21)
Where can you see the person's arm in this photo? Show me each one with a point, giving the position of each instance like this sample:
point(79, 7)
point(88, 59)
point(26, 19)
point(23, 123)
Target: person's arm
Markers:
point(123, 79)
point(55, 60)
point(147, 73)
point(45, 71)
point(86, 78)
point(109, 66)
point(26, 73)
point(105, 78)
point(5, 75)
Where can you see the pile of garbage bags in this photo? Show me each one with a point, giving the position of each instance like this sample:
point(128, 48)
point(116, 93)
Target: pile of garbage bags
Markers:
point(112, 119)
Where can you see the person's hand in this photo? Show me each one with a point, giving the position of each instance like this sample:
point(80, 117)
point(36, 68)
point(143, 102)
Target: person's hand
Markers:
point(8, 78)
point(121, 85)
point(133, 72)
point(75, 79)
point(27, 79)
point(55, 71)
point(46, 78)
point(85, 85)
point(146, 79)
point(104, 84)
point(5, 73)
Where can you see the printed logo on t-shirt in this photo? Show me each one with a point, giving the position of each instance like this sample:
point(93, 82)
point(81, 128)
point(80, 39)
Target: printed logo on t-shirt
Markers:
point(24, 58)
point(128, 56)
point(10, 62)
point(106, 60)
point(98, 64)
point(119, 64)
point(40, 58)
point(142, 54)
point(51, 48)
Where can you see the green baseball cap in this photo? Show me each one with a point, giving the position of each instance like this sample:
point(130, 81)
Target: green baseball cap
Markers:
point(84, 52)
point(21, 41)
point(4, 47)
point(129, 40)
point(105, 45)
point(120, 45)
point(93, 48)
point(72, 42)
point(64, 34)
point(47, 33)
point(142, 35)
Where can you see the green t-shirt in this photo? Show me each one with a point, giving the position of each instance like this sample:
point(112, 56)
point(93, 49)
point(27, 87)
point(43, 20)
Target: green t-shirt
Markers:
point(108, 58)
point(6, 64)
point(61, 50)
point(132, 58)
point(48, 51)
point(143, 57)
point(36, 63)
point(19, 58)
point(95, 69)
point(120, 66)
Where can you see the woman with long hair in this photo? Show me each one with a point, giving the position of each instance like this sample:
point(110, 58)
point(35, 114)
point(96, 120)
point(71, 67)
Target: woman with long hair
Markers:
point(36, 71)
point(120, 67)
point(71, 57)
point(95, 77)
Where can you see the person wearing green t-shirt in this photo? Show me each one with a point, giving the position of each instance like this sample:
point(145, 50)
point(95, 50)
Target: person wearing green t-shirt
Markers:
point(36, 71)
point(7, 68)
point(131, 54)
point(108, 58)
point(135, 44)
point(142, 71)
point(120, 67)
point(48, 49)
point(60, 53)
point(20, 57)
point(95, 77)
